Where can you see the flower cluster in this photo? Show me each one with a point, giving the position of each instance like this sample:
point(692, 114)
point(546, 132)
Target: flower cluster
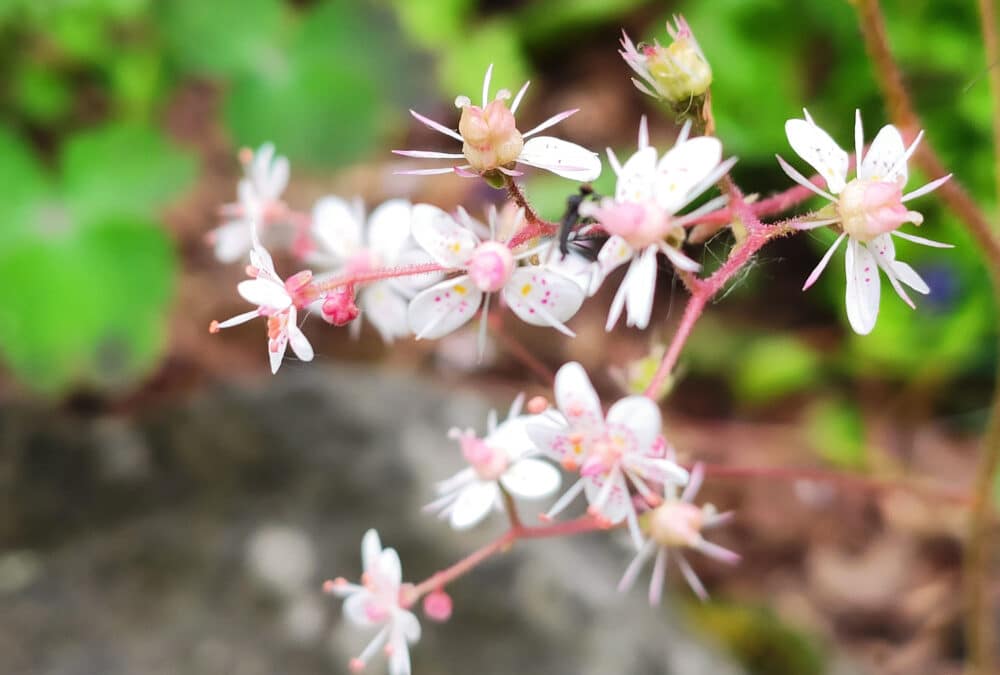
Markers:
point(417, 269)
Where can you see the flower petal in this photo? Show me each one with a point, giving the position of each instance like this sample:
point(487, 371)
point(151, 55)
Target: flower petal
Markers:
point(336, 227)
point(408, 625)
point(542, 297)
point(300, 344)
point(389, 229)
point(613, 501)
point(641, 281)
point(276, 353)
point(576, 397)
point(862, 287)
point(264, 293)
point(371, 549)
point(615, 251)
point(444, 307)
point(389, 569)
point(882, 161)
point(356, 608)
point(816, 147)
point(635, 180)
point(683, 168)
point(531, 479)
point(512, 437)
point(386, 309)
point(232, 241)
point(473, 504)
point(442, 237)
point(562, 158)
point(641, 417)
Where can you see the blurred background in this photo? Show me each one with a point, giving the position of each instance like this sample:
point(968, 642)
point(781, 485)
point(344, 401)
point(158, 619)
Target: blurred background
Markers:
point(166, 506)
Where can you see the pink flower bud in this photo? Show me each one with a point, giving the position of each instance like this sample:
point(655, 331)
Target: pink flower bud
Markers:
point(491, 266)
point(490, 135)
point(339, 307)
point(437, 606)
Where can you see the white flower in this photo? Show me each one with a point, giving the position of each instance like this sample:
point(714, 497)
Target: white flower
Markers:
point(641, 217)
point(675, 525)
point(259, 191)
point(347, 245)
point(869, 210)
point(491, 142)
point(278, 301)
point(538, 295)
point(612, 452)
point(502, 458)
point(676, 73)
point(377, 603)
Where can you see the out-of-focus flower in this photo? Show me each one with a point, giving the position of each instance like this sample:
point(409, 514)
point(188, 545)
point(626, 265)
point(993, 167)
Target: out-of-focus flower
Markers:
point(677, 73)
point(277, 300)
point(675, 525)
point(491, 142)
point(501, 458)
point(537, 294)
point(346, 244)
point(259, 196)
point(641, 218)
point(869, 210)
point(376, 603)
point(611, 451)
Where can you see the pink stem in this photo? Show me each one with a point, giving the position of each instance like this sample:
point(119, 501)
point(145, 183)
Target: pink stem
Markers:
point(703, 290)
point(502, 543)
point(355, 278)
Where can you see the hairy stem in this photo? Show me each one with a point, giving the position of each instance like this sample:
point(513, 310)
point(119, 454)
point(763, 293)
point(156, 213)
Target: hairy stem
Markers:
point(979, 611)
point(703, 290)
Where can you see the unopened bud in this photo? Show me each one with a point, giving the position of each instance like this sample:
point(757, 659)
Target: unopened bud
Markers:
point(490, 135)
point(438, 606)
point(339, 307)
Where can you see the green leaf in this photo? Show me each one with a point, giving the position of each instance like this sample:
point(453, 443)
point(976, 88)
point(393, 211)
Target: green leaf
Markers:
point(87, 309)
point(25, 187)
point(42, 94)
point(838, 432)
point(221, 37)
point(464, 63)
point(773, 366)
point(122, 169)
point(432, 23)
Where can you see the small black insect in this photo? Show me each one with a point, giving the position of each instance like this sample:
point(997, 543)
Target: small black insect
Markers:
point(572, 216)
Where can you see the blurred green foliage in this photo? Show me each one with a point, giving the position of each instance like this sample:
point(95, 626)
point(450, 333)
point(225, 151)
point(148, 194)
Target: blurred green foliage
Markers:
point(759, 640)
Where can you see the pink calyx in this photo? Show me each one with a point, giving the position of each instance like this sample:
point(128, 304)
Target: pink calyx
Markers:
point(490, 267)
point(490, 136)
point(871, 208)
point(639, 224)
point(676, 524)
point(339, 308)
point(488, 462)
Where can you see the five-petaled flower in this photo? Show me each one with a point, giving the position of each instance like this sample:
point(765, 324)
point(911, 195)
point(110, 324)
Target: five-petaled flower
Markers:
point(378, 602)
point(869, 210)
point(537, 294)
point(277, 300)
point(259, 193)
point(492, 144)
point(346, 245)
point(676, 524)
point(501, 459)
point(676, 73)
point(612, 452)
point(641, 218)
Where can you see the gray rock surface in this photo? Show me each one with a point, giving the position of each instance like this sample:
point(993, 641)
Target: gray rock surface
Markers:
point(194, 539)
